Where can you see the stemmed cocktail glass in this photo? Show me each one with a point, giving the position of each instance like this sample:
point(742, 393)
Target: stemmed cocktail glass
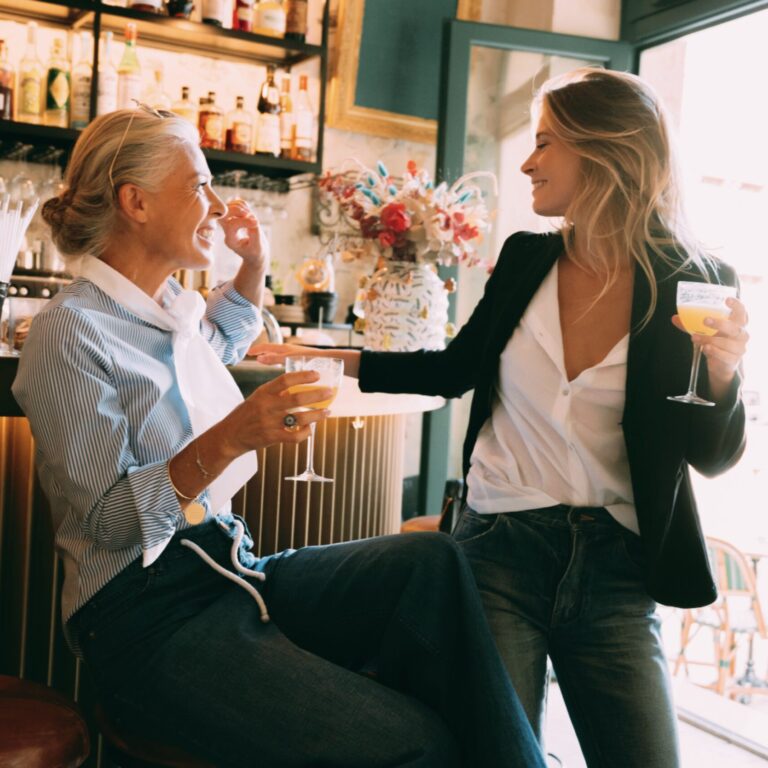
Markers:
point(331, 370)
point(695, 303)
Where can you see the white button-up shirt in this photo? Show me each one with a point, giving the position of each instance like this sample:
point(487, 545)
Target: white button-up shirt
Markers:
point(549, 440)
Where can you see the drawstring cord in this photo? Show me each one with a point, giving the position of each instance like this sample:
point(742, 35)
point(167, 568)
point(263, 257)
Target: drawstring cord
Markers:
point(239, 567)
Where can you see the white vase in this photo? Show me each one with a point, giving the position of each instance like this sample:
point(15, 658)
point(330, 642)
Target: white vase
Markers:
point(405, 308)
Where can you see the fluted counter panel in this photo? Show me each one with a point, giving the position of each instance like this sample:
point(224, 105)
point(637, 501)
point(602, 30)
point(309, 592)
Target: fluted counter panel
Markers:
point(363, 455)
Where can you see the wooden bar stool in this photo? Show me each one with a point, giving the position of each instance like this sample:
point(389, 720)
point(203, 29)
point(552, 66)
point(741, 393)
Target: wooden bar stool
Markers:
point(39, 728)
point(129, 749)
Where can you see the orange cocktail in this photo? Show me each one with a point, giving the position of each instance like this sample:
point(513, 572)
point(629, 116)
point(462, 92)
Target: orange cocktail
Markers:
point(308, 388)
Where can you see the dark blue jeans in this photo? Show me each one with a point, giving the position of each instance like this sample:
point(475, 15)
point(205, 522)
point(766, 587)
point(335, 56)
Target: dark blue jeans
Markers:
point(567, 583)
point(378, 654)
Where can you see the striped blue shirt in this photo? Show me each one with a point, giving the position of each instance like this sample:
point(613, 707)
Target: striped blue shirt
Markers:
point(98, 385)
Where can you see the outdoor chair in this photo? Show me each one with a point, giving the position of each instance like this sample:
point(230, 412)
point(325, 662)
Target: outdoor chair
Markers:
point(736, 612)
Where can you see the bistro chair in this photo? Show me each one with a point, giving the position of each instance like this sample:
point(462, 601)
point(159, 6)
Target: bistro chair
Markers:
point(446, 519)
point(39, 728)
point(737, 611)
point(126, 748)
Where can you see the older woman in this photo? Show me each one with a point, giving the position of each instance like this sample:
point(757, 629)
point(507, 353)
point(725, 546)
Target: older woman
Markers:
point(362, 654)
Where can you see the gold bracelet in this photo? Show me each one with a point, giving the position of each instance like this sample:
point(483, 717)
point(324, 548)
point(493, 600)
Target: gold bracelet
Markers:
point(173, 485)
point(194, 513)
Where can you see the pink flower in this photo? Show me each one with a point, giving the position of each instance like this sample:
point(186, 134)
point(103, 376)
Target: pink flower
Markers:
point(395, 217)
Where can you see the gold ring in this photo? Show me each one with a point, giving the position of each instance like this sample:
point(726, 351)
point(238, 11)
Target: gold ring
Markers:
point(290, 423)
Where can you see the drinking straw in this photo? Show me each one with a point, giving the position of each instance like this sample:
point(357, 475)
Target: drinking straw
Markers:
point(14, 222)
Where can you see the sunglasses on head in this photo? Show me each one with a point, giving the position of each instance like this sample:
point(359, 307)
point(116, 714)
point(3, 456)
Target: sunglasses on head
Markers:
point(140, 106)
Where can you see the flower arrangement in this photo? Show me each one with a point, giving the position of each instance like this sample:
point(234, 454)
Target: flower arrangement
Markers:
point(412, 219)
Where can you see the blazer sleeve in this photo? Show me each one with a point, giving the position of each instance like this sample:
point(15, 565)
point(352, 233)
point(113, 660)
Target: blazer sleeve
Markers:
point(716, 439)
point(450, 372)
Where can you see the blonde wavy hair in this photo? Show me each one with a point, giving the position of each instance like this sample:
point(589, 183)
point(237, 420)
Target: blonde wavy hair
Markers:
point(628, 202)
point(125, 146)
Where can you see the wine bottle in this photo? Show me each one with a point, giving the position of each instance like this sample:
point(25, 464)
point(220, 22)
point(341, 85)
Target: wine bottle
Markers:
point(147, 6)
point(129, 71)
point(7, 76)
point(185, 107)
point(155, 95)
point(239, 128)
point(31, 76)
point(58, 87)
point(215, 12)
point(211, 123)
point(242, 15)
point(287, 123)
point(296, 20)
point(271, 18)
point(106, 96)
point(82, 75)
point(305, 119)
point(268, 135)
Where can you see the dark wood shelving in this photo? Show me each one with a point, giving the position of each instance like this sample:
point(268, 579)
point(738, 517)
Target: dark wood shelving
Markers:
point(195, 36)
point(176, 35)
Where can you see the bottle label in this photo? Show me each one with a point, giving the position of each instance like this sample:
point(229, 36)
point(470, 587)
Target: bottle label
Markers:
point(128, 89)
point(106, 100)
point(30, 102)
point(269, 134)
point(213, 131)
point(58, 89)
point(81, 100)
point(296, 18)
point(272, 21)
point(241, 135)
point(287, 130)
point(304, 123)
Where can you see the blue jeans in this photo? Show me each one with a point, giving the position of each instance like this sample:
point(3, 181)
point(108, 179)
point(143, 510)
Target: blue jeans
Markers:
point(377, 655)
point(567, 583)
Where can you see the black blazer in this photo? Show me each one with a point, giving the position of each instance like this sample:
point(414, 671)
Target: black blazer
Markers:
point(663, 438)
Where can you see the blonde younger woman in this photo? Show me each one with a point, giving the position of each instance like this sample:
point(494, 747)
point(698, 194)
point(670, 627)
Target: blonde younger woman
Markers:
point(579, 515)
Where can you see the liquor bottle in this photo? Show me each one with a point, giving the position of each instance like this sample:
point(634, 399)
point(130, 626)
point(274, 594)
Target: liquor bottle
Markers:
point(242, 16)
point(211, 123)
point(296, 20)
point(106, 96)
point(148, 6)
point(305, 118)
point(270, 19)
point(58, 87)
point(239, 128)
point(216, 12)
point(6, 83)
point(129, 71)
point(31, 76)
point(287, 124)
point(185, 107)
point(268, 135)
point(82, 75)
point(179, 9)
point(155, 95)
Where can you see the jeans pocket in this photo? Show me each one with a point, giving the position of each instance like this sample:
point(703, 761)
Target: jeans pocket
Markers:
point(472, 525)
point(632, 547)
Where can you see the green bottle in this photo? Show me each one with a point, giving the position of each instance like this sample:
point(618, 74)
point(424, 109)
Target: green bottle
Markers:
point(58, 91)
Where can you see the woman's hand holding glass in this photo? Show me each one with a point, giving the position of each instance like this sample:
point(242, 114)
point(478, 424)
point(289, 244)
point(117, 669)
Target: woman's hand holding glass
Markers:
point(261, 420)
point(716, 321)
point(330, 371)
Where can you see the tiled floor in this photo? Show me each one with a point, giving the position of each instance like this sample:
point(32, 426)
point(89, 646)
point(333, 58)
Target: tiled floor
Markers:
point(699, 749)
